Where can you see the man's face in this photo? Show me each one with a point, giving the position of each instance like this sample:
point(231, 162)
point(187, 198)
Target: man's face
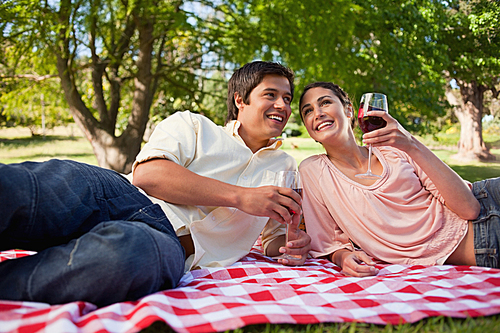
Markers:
point(267, 112)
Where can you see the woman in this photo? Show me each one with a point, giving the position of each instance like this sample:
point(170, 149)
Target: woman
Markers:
point(419, 212)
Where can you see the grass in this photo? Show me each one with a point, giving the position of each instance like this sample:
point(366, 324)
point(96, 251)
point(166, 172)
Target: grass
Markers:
point(300, 148)
point(17, 145)
point(489, 324)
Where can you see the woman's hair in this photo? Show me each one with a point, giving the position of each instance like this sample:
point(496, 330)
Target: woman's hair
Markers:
point(245, 79)
point(337, 91)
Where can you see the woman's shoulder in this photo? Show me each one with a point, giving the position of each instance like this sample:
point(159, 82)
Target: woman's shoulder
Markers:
point(312, 162)
point(389, 152)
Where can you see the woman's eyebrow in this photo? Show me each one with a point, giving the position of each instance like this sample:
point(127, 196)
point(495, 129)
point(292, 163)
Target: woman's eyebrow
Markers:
point(318, 100)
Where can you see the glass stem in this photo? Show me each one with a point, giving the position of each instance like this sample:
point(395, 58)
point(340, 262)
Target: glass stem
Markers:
point(286, 234)
point(369, 159)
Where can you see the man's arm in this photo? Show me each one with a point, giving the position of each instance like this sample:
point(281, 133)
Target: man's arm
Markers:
point(173, 183)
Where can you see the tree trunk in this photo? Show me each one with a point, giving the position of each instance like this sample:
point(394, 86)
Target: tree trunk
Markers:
point(470, 113)
point(112, 152)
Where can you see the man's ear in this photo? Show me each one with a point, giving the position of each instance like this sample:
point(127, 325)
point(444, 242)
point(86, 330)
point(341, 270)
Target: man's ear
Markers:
point(238, 100)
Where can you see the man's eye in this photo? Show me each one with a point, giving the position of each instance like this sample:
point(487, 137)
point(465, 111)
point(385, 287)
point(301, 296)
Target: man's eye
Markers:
point(287, 100)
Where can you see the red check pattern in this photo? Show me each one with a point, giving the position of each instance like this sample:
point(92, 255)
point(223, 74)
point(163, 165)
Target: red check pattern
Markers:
point(257, 290)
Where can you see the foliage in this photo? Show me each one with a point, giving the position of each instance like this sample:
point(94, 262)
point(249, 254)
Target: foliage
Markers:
point(33, 105)
point(472, 38)
point(115, 60)
point(375, 45)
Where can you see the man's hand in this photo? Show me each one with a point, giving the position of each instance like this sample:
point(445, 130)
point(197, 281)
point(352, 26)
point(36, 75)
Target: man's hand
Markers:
point(355, 263)
point(184, 187)
point(278, 203)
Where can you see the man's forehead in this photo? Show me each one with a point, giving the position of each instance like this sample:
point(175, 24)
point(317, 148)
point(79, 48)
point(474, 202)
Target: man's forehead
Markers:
point(272, 82)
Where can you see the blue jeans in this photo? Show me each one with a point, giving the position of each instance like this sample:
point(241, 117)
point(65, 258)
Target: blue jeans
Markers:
point(98, 238)
point(487, 224)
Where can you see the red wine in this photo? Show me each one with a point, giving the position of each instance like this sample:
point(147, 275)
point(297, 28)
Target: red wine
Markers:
point(299, 191)
point(367, 123)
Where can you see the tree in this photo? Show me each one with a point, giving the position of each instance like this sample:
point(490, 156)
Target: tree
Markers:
point(111, 57)
point(472, 37)
point(366, 45)
point(36, 105)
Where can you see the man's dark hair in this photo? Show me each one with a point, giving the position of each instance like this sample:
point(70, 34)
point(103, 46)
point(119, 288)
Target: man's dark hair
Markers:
point(245, 79)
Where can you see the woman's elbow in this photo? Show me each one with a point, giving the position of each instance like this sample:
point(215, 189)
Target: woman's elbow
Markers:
point(472, 212)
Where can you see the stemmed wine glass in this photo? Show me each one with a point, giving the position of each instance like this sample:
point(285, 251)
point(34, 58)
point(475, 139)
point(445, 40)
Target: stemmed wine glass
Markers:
point(371, 102)
point(290, 179)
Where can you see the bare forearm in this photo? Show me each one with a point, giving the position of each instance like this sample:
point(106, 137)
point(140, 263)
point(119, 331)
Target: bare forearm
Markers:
point(173, 183)
point(456, 193)
point(337, 257)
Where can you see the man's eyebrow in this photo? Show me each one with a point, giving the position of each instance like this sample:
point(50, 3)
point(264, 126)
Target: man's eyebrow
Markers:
point(275, 89)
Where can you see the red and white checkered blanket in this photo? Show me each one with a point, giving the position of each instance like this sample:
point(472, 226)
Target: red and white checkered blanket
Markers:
point(258, 290)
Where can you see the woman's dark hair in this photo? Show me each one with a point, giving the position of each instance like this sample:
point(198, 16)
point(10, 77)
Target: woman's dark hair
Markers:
point(337, 91)
point(245, 79)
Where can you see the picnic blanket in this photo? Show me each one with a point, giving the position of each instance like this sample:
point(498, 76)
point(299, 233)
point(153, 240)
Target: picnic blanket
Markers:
point(258, 290)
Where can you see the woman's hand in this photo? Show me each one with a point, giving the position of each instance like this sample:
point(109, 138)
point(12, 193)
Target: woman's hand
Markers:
point(393, 134)
point(299, 244)
point(354, 263)
point(456, 193)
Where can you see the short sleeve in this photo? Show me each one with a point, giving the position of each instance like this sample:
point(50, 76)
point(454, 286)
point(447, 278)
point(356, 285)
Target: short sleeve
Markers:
point(174, 139)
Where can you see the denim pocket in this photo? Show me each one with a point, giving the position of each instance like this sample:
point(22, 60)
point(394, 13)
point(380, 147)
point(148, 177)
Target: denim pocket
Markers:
point(153, 216)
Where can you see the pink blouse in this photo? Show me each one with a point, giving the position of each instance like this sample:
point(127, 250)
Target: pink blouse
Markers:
point(400, 219)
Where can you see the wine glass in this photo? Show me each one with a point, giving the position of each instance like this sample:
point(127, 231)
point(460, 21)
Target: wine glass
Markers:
point(290, 179)
point(371, 102)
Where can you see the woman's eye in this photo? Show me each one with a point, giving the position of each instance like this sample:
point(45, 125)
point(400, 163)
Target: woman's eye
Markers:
point(325, 103)
point(307, 111)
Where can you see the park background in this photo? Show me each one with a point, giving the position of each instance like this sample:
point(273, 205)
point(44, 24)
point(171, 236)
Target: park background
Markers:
point(89, 80)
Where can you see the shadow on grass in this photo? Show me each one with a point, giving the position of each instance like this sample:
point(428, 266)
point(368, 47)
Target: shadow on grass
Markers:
point(430, 324)
point(33, 141)
point(475, 173)
point(61, 155)
point(493, 144)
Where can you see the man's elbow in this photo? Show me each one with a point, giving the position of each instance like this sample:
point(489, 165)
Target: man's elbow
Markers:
point(141, 177)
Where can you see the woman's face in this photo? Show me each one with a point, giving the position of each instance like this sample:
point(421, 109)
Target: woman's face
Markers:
point(324, 115)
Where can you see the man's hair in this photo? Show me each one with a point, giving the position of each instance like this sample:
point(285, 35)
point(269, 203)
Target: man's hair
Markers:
point(245, 79)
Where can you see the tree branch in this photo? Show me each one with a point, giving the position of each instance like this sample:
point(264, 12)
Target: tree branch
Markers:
point(31, 77)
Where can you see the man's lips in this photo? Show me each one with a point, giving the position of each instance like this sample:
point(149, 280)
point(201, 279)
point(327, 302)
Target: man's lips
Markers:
point(276, 117)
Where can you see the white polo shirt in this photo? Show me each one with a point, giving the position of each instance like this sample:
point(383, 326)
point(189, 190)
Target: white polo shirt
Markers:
point(221, 235)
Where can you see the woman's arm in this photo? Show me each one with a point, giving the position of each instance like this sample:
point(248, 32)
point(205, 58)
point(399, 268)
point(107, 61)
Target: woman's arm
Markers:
point(354, 263)
point(456, 193)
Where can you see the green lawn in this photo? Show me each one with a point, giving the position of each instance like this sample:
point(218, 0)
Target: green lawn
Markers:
point(17, 145)
point(300, 148)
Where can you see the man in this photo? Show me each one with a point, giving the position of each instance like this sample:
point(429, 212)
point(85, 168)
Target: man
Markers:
point(103, 240)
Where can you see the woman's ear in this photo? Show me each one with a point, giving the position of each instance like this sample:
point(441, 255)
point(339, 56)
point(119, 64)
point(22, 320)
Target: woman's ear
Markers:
point(349, 112)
